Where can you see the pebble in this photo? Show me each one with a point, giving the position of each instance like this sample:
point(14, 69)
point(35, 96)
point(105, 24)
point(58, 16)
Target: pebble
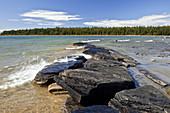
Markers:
point(153, 60)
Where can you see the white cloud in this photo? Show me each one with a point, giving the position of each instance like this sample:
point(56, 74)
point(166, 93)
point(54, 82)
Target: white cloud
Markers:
point(31, 20)
point(50, 15)
point(51, 23)
point(152, 20)
point(41, 22)
point(15, 20)
point(1, 31)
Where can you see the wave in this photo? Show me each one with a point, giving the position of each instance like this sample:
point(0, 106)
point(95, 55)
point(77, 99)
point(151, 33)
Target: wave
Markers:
point(24, 75)
point(85, 55)
point(66, 59)
point(148, 41)
point(90, 41)
point(137, 41)
point(73, 48)
point(127, 40)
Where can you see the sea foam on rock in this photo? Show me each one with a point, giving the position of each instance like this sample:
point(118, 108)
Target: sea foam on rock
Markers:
point(45, 76)
point(146, 99)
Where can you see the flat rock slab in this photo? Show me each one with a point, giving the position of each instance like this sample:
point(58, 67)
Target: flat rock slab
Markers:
point(97, 83)
point(125, 59)
point(97, 109)
point(45, 76)
point(69, 105)
point(101, 53)
point(143, 99)
point(108, 68)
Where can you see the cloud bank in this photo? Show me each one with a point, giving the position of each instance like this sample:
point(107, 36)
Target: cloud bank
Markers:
point(47, 17)
point(1, 31)
point(152, 20)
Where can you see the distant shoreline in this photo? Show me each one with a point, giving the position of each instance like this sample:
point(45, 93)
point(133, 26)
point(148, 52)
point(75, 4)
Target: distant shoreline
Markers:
point(90, 35)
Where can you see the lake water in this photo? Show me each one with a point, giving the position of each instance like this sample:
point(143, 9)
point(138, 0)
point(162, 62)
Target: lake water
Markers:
point(21, 57)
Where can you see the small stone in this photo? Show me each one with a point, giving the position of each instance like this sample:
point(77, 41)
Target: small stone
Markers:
point(54, 87)
point(153, 60)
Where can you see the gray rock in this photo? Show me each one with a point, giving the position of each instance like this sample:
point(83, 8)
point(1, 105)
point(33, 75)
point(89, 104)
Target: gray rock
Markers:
point(93, 51)
point(126, 60)
point(99, 53)
point(146, 99)
point(97, 83)
point(80, 44)
point(69, 105)
point(97, 109)
point(45, 76)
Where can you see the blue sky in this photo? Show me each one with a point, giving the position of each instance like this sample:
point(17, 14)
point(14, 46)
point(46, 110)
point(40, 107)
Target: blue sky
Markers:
point(26, 14)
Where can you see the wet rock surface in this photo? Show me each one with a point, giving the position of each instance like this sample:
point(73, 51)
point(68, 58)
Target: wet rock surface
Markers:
point(144, 99)
point(92, 87)
point(97, 109)
point(98, 81)
point(103, 79)
point(45, 76)
point(80, 44)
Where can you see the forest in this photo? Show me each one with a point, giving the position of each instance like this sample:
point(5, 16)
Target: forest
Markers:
point(138, 30)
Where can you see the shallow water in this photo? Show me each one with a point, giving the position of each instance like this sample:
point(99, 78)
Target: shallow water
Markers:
point(21, 57)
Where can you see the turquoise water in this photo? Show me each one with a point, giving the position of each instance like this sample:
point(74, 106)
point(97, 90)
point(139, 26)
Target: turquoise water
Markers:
point(21, 57)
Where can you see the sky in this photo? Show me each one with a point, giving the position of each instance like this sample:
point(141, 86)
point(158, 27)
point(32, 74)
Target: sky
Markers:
point(29, 14)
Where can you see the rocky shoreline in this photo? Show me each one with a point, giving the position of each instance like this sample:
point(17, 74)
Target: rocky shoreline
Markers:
point(109, 78)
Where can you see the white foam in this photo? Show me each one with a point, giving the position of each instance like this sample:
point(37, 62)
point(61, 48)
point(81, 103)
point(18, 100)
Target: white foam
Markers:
point(22, 76)
point(70, 48)
point(66, 59)
point(148, 41)
point(86, 56)
point(91, 41)
point(127, 40)
point(137, 41)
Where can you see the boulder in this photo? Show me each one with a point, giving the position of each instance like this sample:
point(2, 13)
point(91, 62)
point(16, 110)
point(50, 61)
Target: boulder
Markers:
point(80, 44)
point(96, 83)
point(45, 76)
point(54, 87)
point(99, 53)
point(93, 51)
point(146, 99)
point(97, 109)
point(69, 105)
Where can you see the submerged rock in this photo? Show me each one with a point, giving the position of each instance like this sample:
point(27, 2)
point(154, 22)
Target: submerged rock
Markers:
point(96, 83)
point(97, 109)
point(144, 99)
point(69, 105)
point(45, 76)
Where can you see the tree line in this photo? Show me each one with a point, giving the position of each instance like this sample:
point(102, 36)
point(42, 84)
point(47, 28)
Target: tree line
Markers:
point(138, 30)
